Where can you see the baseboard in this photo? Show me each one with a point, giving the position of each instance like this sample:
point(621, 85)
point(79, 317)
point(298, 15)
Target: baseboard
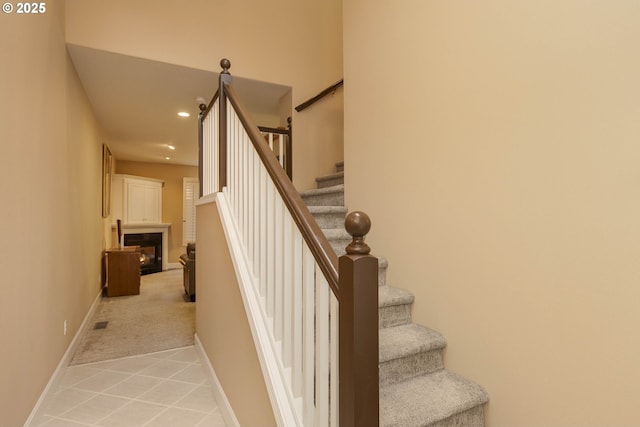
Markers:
point(57, 375)
point(282, 402)
point(221, 398)
point(173, 265)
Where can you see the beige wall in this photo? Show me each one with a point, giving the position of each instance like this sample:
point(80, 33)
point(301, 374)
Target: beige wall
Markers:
point(171, 195)
point(222, 324)
point(500, 169)
point(50, 221)
point(301, 47)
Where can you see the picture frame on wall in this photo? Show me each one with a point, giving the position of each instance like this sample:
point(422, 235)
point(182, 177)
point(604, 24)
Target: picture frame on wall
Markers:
point(107, 162)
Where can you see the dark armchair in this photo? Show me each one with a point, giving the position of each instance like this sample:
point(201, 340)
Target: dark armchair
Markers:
point(188, 262)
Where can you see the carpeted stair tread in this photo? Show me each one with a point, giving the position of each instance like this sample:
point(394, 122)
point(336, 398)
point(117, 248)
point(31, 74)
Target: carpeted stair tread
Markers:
point(415, 389)
point(390, 296)
point(332, 196)
point(330, 180)
point(408, 351)
point(428, 399)
point(328, 210)
point(338, 238)
point(409, 339)
point(333, 189)
point(329, 216)
point(394, 306)
point(383, 264)
point(336, 234)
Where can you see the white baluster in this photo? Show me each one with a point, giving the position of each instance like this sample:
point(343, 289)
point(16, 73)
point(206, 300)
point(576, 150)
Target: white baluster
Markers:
point(205, 156)
point(279, 256)
point(297, 295)
point(263, 231)
point(270, 249)
point(309, 333)
point(215, 154)
point(287, 317)
point(253, 209)
point(281, 150)
point(334, 366)
point(245, 187)
point(322, 349)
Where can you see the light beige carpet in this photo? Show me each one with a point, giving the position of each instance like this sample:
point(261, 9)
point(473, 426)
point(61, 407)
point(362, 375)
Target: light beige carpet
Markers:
point(158, 319)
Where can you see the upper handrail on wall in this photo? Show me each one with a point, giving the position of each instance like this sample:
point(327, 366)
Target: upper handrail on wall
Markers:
point(319, 96)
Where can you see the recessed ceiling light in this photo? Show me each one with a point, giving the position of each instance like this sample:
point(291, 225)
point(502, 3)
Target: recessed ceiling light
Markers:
point(171, 147)
point(183, 114)
point(167, 158)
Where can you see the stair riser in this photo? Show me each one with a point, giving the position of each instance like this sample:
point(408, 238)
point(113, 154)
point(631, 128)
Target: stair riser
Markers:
point(324, 183)
point(394, 315)
point(382, 275)
point(473, 417)
point(397, 370)
point(340, 167)
point(330, 199)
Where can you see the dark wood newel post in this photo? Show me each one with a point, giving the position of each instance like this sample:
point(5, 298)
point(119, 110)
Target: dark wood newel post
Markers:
point(225, 78)
point(358, 364)
point(289, 152)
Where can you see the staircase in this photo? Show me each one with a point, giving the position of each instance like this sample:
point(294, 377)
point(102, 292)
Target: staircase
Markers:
point(415, 389)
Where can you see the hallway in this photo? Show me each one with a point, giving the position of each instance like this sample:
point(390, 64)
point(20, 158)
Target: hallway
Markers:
point(148, 388)
point(164, 389)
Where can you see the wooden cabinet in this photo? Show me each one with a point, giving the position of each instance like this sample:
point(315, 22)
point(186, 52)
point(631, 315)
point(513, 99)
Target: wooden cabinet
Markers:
point(137, 200)
point(123, 271)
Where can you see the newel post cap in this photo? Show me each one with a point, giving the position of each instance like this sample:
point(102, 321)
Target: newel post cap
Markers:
point(225, 64)
point(357, 225)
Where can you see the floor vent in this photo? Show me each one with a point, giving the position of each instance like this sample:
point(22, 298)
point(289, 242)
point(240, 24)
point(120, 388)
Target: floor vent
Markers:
point(101, 325)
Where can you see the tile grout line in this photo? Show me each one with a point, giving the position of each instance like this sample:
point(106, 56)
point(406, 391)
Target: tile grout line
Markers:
point(130, 400)
point(163, 408)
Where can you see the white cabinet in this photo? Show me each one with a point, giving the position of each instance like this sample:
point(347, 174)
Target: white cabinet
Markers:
point(136, 200)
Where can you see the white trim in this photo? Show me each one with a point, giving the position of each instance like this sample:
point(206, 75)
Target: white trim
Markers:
point(190, 193)
point(173, 265)
point(218, 393)
point(282, 403)
point(144, 178)
point(144, 226)
point(52, 386)
point(205, 200)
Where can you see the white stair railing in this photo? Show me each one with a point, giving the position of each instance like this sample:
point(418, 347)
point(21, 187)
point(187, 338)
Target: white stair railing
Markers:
point(291, 308)
point(209, 150)
point(288, 277)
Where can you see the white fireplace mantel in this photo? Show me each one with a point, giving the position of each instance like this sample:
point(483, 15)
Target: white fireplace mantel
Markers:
point(150, 228)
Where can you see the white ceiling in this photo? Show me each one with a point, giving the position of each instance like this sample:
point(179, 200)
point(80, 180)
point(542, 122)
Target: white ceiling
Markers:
point(137, 102)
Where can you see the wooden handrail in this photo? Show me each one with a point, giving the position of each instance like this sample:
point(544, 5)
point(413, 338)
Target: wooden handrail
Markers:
point(322, 251)
point(207, 108)
point(319, 96)
point(279, 131)
point(355, 289)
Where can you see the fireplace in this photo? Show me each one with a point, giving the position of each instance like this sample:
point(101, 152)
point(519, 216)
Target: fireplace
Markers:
point(138, 229)
point(150, 248)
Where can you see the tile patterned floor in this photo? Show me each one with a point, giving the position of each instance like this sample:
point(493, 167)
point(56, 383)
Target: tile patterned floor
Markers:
point(164, 389)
